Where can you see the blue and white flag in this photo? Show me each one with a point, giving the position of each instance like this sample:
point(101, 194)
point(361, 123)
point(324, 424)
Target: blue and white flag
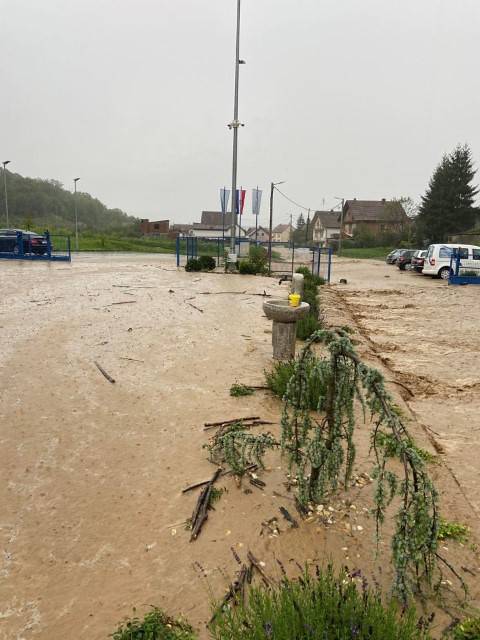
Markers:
point(224, 198)
point(256, 201)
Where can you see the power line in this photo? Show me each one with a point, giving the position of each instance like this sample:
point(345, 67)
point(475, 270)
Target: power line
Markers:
point(295, 203)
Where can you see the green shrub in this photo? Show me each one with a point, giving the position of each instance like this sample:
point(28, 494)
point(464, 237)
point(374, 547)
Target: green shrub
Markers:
point(193, 265)
point(306, 326)
point(237, 390)
point(278, 378)
point(258, 256)
point(207, 263)
point(467, 630)
point(156, 625)
point(324, 607)
point(247, 267)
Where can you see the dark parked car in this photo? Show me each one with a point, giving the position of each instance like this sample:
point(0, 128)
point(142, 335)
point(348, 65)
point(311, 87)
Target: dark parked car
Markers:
point(32, 242)
point(405, 257)
point(392, 256)
point(418, 259)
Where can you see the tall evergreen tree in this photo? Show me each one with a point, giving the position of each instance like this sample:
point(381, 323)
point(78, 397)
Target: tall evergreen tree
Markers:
point(447, 206)
point(300, 221)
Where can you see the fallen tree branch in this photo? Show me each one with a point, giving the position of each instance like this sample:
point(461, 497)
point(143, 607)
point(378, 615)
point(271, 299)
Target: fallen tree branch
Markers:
point(122, 302)
point(194, 307)
point(289, 518)
point(269, 582)
point(224, 422)
point(104, 373)
point(200, 513)
point(252, 467)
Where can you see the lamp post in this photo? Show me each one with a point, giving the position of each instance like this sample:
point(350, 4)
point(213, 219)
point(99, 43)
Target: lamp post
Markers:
point(235, 124)
point(342, 200)
point(272, 189)
point(75, 180)
point(5, 187)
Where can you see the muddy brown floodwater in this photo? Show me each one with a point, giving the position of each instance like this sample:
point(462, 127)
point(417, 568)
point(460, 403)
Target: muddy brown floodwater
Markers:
point(91, 510)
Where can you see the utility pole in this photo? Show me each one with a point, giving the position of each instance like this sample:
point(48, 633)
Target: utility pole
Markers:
point(341, 226)
point(272, 189)
point(5, 187)
point(75, 180)
point(235, 124)
point(291, 228)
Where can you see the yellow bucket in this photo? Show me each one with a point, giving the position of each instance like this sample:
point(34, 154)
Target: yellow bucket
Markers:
point(294, 299)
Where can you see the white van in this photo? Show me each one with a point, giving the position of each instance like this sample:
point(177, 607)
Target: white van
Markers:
point(437, 262)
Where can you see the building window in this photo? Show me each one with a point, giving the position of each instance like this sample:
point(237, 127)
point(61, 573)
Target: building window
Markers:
point(156, 226)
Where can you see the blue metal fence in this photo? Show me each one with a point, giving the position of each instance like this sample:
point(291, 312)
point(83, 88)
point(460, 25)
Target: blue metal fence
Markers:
point(53, 247)
point(286, 256)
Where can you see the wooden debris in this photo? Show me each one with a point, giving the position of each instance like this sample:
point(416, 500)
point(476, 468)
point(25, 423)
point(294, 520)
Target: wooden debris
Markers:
point(289, 518)
point(236, 556)
point(247, 424)
point(234, 293)
point(271, 527)
point(122, 302)
point(223, 422)
point(237, 588)
point(200, 513)
point(194, 307)
point(257, 482)
point(104, 373)
point(266, 579)
point(302, 510)
point(252, 467)
point(131, 359)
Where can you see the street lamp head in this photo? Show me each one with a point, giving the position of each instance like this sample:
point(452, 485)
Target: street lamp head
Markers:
point(76, 179)
point(5, 163)
point(277, 183)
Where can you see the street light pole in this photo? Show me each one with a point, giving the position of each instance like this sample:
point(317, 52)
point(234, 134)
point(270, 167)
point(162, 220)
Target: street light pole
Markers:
point(272, 189)
point(342, 200)
point(75, 180)
point(5, 187)
point(234, 125)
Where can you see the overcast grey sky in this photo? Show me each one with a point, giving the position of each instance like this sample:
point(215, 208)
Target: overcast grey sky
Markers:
point(353, 98)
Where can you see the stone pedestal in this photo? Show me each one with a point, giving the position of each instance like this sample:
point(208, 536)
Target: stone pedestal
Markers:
point(284, 326)
point(283, 340)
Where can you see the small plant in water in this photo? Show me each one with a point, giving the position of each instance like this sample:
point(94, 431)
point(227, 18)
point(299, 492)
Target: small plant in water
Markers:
point(452, 531)
point(239, 448)
point(469, 629)
point(156, 625)
point(237, 390)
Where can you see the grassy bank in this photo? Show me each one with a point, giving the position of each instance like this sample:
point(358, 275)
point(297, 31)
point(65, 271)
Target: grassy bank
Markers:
point(113, 243)
point(375, 253)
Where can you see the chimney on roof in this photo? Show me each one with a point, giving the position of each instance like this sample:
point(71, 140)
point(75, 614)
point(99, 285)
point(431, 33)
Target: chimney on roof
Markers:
point(383, 200)
point(354, 199)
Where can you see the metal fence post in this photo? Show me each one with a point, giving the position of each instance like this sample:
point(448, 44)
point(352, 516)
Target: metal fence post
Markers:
point(177, 247)
point(293, 256)
point(49, 244)
point(329, 264)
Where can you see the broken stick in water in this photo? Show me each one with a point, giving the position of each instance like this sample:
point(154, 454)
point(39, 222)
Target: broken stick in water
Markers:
point(200, 513)
point(104, 373)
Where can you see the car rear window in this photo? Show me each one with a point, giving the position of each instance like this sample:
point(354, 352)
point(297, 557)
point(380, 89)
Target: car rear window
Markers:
point(476, 254)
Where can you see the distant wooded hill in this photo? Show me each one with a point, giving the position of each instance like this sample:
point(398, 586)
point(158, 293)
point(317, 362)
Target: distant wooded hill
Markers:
point(36, 203)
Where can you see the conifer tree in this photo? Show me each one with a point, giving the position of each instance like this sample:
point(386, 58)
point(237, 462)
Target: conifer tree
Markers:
point(447, 206)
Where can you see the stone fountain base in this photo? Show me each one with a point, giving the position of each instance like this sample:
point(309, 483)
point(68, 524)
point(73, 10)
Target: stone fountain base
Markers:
point(284, 326)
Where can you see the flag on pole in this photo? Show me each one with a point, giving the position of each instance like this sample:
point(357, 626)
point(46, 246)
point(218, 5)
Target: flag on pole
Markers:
point(256, 201)
point(224, 198)
point(241, 193)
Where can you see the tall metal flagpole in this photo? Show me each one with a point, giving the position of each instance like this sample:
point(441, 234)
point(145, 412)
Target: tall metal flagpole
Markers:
point(234, 125)
point(256, 219)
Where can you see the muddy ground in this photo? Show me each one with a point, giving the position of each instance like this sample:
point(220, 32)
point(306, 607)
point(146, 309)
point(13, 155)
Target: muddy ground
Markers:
point(92, 515)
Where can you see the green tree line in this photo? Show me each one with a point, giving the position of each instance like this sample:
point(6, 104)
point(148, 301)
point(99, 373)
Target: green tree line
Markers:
point(45, 204)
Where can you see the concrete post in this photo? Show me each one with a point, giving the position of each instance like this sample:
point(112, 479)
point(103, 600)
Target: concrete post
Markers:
point(283, 340)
